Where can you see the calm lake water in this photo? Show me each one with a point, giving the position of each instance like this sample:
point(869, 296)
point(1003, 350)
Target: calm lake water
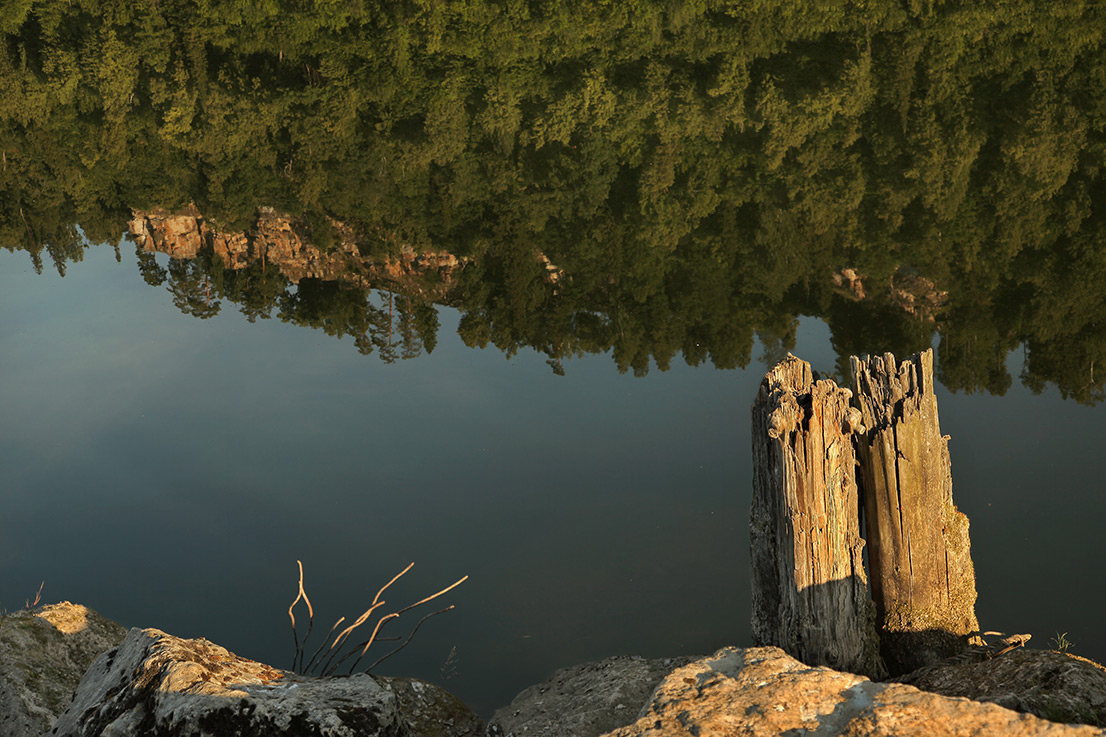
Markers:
point(638, 212)
point(169, 472)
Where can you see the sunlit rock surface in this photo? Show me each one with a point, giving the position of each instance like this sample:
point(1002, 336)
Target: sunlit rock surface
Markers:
point(154, 683)
point(584, 700)
point(43, 654)
point(764, 691)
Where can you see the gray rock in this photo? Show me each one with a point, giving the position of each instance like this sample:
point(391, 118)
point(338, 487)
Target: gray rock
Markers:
point(1052, 685)
point(584, 700)
point(429, 711)
point(43, 654)
point(763, 691)
point(154, 683)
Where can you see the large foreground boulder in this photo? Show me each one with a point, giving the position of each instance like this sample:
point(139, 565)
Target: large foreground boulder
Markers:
point(764, 691)
point(157, 684)
point(43, 654)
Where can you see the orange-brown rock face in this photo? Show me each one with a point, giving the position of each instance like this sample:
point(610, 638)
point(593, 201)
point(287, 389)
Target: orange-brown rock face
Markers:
point(178, 235)
point(276, 239)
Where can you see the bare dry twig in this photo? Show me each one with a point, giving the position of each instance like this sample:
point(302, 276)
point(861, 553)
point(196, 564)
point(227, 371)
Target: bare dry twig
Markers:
point(38, 597)
point(310, 620)
point(323, 659)
point(405, 642)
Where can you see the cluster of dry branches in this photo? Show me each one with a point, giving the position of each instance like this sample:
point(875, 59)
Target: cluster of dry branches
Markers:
point(27, 603)
point(326, 660)
point(38, 597)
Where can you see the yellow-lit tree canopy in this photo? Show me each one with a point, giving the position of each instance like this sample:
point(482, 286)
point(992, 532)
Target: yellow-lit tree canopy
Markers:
point(699, 170)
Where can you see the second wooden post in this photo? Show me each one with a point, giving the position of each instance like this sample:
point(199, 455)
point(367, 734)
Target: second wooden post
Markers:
point(919, 554)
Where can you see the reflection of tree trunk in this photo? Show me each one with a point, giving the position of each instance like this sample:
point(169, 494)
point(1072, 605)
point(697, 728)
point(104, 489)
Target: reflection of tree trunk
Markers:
point(408, 332)
point(30, 230)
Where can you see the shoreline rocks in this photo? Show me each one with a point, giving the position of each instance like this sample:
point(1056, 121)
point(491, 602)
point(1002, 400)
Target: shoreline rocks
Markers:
point(1046, 683)
point(154, 683)
point(763, 691)
point(149, 682)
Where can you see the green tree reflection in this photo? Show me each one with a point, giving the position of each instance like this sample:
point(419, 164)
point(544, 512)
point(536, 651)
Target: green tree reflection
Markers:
point(695, 173)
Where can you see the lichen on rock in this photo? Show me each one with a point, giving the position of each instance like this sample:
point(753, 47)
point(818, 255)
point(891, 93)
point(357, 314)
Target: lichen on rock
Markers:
point(154, 683)
point(764, 692)
point(44, 651)
point(1057, 686)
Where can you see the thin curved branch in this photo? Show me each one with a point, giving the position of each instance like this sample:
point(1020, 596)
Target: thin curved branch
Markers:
point(405, 643)
point(307, 668)
point(310, 614)
point(336, 645)
point(452, 586)
point(323, 659)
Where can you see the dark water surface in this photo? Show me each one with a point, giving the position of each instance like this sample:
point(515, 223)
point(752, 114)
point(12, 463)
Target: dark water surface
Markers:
point(169, 472)
point(490, 287)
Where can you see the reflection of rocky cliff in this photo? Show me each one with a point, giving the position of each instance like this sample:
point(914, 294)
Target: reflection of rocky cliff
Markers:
point(511, 295)
point(906, 290)
point(281, 241)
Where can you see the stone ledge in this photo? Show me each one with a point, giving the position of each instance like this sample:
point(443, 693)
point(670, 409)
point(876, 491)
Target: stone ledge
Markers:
point(153, 681)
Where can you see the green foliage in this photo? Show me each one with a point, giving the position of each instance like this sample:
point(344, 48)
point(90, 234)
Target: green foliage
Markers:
point(697, 170)
point(1061, 643)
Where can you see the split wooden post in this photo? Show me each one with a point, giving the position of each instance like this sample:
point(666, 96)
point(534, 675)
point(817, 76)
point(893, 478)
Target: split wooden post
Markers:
point(919, 553)
point(810, 592)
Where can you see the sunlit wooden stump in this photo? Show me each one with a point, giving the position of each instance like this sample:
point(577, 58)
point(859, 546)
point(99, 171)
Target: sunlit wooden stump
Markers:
point(834, 468)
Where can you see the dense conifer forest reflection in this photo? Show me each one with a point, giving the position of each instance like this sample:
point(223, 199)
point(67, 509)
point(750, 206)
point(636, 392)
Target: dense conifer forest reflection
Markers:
point(660, 181)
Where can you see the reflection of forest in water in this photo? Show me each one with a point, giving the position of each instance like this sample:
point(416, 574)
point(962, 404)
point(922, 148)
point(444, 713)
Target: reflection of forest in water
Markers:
point(697, 176)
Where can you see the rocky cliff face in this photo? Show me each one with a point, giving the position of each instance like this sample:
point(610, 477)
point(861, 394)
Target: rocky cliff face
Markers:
point(279, 240)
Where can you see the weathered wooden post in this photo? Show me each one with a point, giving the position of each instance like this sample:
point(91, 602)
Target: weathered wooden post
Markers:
point(919, 554)
point(810, 593)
